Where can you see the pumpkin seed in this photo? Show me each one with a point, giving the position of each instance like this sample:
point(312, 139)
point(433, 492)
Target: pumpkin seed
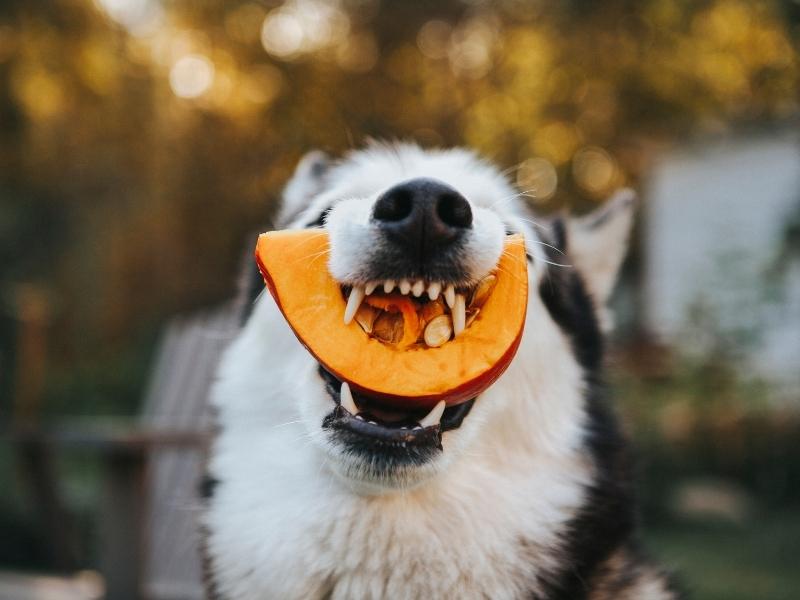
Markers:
point(365, 316)
point(482, 291)
point(388, 327)
point(438, 331)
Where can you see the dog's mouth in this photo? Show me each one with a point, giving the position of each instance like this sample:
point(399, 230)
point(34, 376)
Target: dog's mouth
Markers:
point(409, 316)
point(356, 415)
point(417, 313)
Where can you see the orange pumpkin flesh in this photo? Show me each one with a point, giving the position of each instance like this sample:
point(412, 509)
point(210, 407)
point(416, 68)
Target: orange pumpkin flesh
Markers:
point(406, 307)
point(294, 266)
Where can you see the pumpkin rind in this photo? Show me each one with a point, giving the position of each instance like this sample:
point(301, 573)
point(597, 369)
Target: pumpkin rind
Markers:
point(294, 266)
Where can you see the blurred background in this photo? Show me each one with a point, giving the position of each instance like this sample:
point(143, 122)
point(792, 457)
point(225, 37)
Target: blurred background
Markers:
point(143, 142)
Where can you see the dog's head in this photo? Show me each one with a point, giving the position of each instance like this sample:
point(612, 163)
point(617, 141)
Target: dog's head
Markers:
point(431, 223)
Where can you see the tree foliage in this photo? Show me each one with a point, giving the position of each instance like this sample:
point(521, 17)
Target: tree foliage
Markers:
point(142, 139)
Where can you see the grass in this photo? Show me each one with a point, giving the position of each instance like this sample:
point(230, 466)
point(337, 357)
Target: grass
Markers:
point(759, 560)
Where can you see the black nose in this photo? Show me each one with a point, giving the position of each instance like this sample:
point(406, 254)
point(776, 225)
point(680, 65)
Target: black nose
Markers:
point(422, 214)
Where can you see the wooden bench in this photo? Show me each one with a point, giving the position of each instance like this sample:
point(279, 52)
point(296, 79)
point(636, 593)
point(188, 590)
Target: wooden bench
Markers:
point(148, 528)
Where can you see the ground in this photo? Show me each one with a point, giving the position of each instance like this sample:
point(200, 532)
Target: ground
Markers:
point(757, 560)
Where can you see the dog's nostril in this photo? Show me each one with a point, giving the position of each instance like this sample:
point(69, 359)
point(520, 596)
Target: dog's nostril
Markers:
point(394, 205)
point(422, 216)
point(412, 204)
point(454, 210)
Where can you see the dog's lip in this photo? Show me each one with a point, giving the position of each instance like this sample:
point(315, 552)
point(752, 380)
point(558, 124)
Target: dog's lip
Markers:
point(402, 431)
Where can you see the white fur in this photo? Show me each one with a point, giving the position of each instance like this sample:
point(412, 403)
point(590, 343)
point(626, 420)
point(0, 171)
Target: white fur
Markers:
point(599, 250)
point(294, 518)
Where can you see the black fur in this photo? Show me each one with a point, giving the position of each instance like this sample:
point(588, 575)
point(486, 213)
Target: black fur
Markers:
point(207, 486)
point(606, 523)
point(320, 220)
point(392, 449)
point(565, 298)
point(385, 457)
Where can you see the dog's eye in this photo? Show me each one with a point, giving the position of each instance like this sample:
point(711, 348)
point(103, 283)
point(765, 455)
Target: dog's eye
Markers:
point(320, 220)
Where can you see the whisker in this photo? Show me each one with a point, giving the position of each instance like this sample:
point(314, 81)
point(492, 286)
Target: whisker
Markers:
point(555, 264)
point(511, 169)
point(535, 223)
point(509, 198)
point(559, 250)
point(313, 237)
point(287, 423)
point(311, 258)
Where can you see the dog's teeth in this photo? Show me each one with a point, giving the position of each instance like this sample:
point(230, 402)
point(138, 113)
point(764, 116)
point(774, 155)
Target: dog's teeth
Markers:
point(370, 287)
point(450, 295)
point(388, 286)
point(459, 314)
point(353, 302)
point(346, 399)
point(359, 417)
point(433, 290)
point(405, 286)
point(433, 417)
point(418, 288)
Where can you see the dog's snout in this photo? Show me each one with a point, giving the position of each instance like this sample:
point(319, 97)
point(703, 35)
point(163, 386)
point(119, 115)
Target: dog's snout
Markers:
point(422, 213)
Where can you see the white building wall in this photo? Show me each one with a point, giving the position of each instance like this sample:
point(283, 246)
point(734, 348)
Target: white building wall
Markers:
point(716, 217)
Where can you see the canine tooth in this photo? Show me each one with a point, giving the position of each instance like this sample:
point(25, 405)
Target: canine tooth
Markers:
point(346, 399)
point(405, 286)
point(370, 287)
point(433, 417)
point(359, 417)
point(459, 317)
point(433, 290)
point(388, 286)
point(353, 302)
point(418, 288)
point(450, 295)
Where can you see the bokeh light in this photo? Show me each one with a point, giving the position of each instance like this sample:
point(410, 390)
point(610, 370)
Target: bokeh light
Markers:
point(433, 38)
point(191, 76)
point(595, 170)
point(140, 17)
point(537, 178)
point(471, 44)
point(303, 26)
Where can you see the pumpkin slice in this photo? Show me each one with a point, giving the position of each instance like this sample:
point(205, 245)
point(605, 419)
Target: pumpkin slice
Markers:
point(405, 374)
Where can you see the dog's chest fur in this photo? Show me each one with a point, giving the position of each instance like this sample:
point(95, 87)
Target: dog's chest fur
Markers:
point(283, 526)
point(481, 531)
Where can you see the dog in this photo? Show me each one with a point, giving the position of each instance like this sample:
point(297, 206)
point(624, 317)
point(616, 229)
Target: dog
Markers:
point(522, 492)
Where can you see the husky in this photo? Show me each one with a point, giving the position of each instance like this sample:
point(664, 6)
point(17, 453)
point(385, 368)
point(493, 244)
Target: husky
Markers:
point(522, 492)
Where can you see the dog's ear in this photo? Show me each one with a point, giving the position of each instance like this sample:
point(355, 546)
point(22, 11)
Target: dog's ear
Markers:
point(597, 243)
point(308, 181)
